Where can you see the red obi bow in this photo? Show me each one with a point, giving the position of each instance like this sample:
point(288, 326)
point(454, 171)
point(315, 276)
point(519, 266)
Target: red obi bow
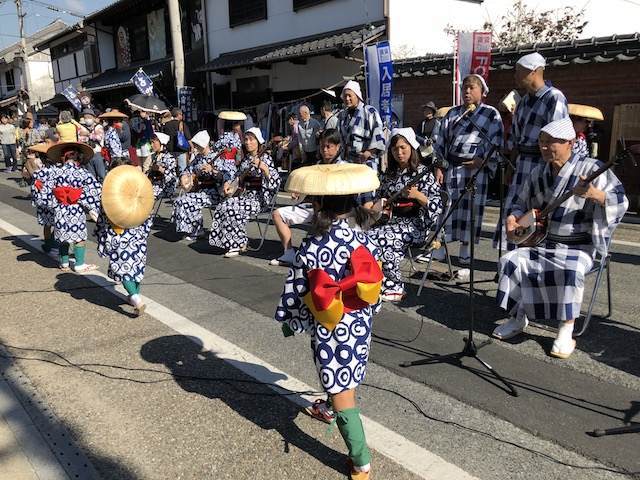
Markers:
point(38, 184)
point(230, 153)
point(67, 195)
point(329, 300)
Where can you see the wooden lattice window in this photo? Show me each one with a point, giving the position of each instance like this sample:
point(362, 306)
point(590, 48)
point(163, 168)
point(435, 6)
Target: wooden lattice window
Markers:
point(246, 11)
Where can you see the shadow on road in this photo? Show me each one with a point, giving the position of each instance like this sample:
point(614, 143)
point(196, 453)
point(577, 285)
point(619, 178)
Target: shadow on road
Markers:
point(185, 357)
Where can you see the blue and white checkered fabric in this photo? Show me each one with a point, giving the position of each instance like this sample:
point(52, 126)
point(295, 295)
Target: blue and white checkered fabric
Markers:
point(361, 129)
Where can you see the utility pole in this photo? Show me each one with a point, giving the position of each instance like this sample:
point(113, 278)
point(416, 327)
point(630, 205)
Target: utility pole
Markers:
point(176, 41)
point(25, 79)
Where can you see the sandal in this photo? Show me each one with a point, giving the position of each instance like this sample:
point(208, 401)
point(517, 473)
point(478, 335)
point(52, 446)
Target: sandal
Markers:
point(87, 267)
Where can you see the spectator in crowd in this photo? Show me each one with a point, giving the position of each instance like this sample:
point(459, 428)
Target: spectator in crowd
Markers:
point(171, 128)
point(308, 132)
point(329, 118)
point(68, 129)
point(8, 142)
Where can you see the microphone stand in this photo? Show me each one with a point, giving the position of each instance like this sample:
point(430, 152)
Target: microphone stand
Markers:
point(470, 348)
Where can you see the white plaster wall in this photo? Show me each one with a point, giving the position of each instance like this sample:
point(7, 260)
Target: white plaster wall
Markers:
point(42, 85)
point(284, 24)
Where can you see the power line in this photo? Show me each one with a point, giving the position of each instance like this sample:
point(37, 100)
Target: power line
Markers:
point(57, 9)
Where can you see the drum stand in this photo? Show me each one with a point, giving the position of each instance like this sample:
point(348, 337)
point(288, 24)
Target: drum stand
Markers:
point(470, 348)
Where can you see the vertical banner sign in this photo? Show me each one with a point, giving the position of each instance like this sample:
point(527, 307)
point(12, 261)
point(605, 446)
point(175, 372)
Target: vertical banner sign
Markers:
point(185, 102)
point(379, 74)
point(71, 94)
point(474, 56)
point(142, 82)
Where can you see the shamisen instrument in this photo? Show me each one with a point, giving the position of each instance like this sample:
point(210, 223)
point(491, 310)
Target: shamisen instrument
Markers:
point(533, 226)
point(398, 206)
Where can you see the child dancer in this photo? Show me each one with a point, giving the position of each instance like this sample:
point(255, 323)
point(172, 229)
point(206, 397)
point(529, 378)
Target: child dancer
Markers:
point(333, 290)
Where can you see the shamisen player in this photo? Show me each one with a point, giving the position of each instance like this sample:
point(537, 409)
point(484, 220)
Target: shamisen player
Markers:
point(332, 291)
point(546, 282)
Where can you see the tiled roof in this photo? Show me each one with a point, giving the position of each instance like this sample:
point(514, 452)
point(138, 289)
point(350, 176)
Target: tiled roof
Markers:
point(596, 49)
point(320, 44)
point(122, 78)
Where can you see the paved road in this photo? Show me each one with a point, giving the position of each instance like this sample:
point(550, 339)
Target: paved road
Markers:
point(456, 414)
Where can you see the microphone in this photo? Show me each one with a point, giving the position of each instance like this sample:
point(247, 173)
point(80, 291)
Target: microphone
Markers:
point(470, 109)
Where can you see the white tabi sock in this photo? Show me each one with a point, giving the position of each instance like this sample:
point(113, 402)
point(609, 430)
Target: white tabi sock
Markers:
point(565, 332)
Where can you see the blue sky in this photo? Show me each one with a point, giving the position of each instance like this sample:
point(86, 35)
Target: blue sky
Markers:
point(39, 16)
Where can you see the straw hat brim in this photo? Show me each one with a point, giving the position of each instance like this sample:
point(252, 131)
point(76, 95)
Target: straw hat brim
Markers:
point(54, 152)
point(127, 196)
point(340, 179)
point(231, 115)
point(113, 114)
point(585, 111)
point(442, 111)
point(39, 147)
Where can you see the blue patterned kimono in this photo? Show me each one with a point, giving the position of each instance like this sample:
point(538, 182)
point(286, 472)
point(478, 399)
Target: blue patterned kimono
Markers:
point(547, 281)
point(361, 130)
point(458, 140)
point(112, 143)
point(127, 252)
point(230, 218)
point(45, 214)
point(580, 148)
point(70, 219)
point(164, 186)
point(187, 209)
point(340, 355)
point(401, 232)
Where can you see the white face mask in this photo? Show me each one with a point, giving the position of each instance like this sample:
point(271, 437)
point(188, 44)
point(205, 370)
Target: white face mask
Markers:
point(89, 121)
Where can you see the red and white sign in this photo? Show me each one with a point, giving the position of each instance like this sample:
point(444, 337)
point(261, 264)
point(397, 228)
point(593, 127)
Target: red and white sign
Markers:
point(473, 55)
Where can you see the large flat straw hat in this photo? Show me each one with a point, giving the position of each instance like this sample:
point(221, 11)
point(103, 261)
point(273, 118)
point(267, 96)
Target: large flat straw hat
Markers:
point(115, 113)
point(56, 150)
point(340, 179)
point(442, 111)
point(231, 115)
point(585, 111)
point(127, 196)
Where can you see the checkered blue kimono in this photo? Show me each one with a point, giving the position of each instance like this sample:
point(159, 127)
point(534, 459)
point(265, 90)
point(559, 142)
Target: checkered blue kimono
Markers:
point(112, 143)
point(340, 355)
point(547, 281)
point(70, 224)
point(127, 252)
point(187, 209)
point(45, 214)
point(165, 187)
point(230, 218)
point(457, 136)
point(361, 130)
point(401, 232)
point(580, 148)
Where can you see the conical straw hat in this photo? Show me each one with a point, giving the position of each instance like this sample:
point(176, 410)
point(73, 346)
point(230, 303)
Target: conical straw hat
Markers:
point(39, 147)
point(585, 111)
point(115, 113)
point(127, 196)
point(54, 152)
point(442, 111)
point(231, 115)
point(333, 179)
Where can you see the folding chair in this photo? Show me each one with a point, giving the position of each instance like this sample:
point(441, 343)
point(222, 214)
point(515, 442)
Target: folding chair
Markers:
point(600, 265)
point(263, 228)
point(429, 248)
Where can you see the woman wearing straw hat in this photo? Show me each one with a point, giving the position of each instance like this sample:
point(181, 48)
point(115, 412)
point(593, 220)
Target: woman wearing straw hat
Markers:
point(413, 213)
point(202, 180)
point(162, 169)
point(582, 116)
point(112, 144)
point(44, 213)
point(123, 228)
point(230, 139)
point(260, 181)
point(72, 192)
point(332, 292)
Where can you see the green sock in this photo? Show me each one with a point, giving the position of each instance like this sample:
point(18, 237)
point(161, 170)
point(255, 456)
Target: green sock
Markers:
point(350, 426)
point(64, 253)
point(79, 252)
point(130, 286)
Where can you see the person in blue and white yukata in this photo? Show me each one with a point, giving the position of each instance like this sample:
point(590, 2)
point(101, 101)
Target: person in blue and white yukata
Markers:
point(72, 192)
point(112, 144)
point(203, 180)
point(546, 282)
point(126, 248)
point(302, 213)
point(162, 167)
point(465, 137)
point(361, 130)
point(259, 181)
point(332, 292)
point(541, 105)
point(413, 213)
point(45, 214)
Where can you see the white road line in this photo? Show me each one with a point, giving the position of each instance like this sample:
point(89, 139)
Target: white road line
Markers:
point(491, 227)
point(410, 456)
